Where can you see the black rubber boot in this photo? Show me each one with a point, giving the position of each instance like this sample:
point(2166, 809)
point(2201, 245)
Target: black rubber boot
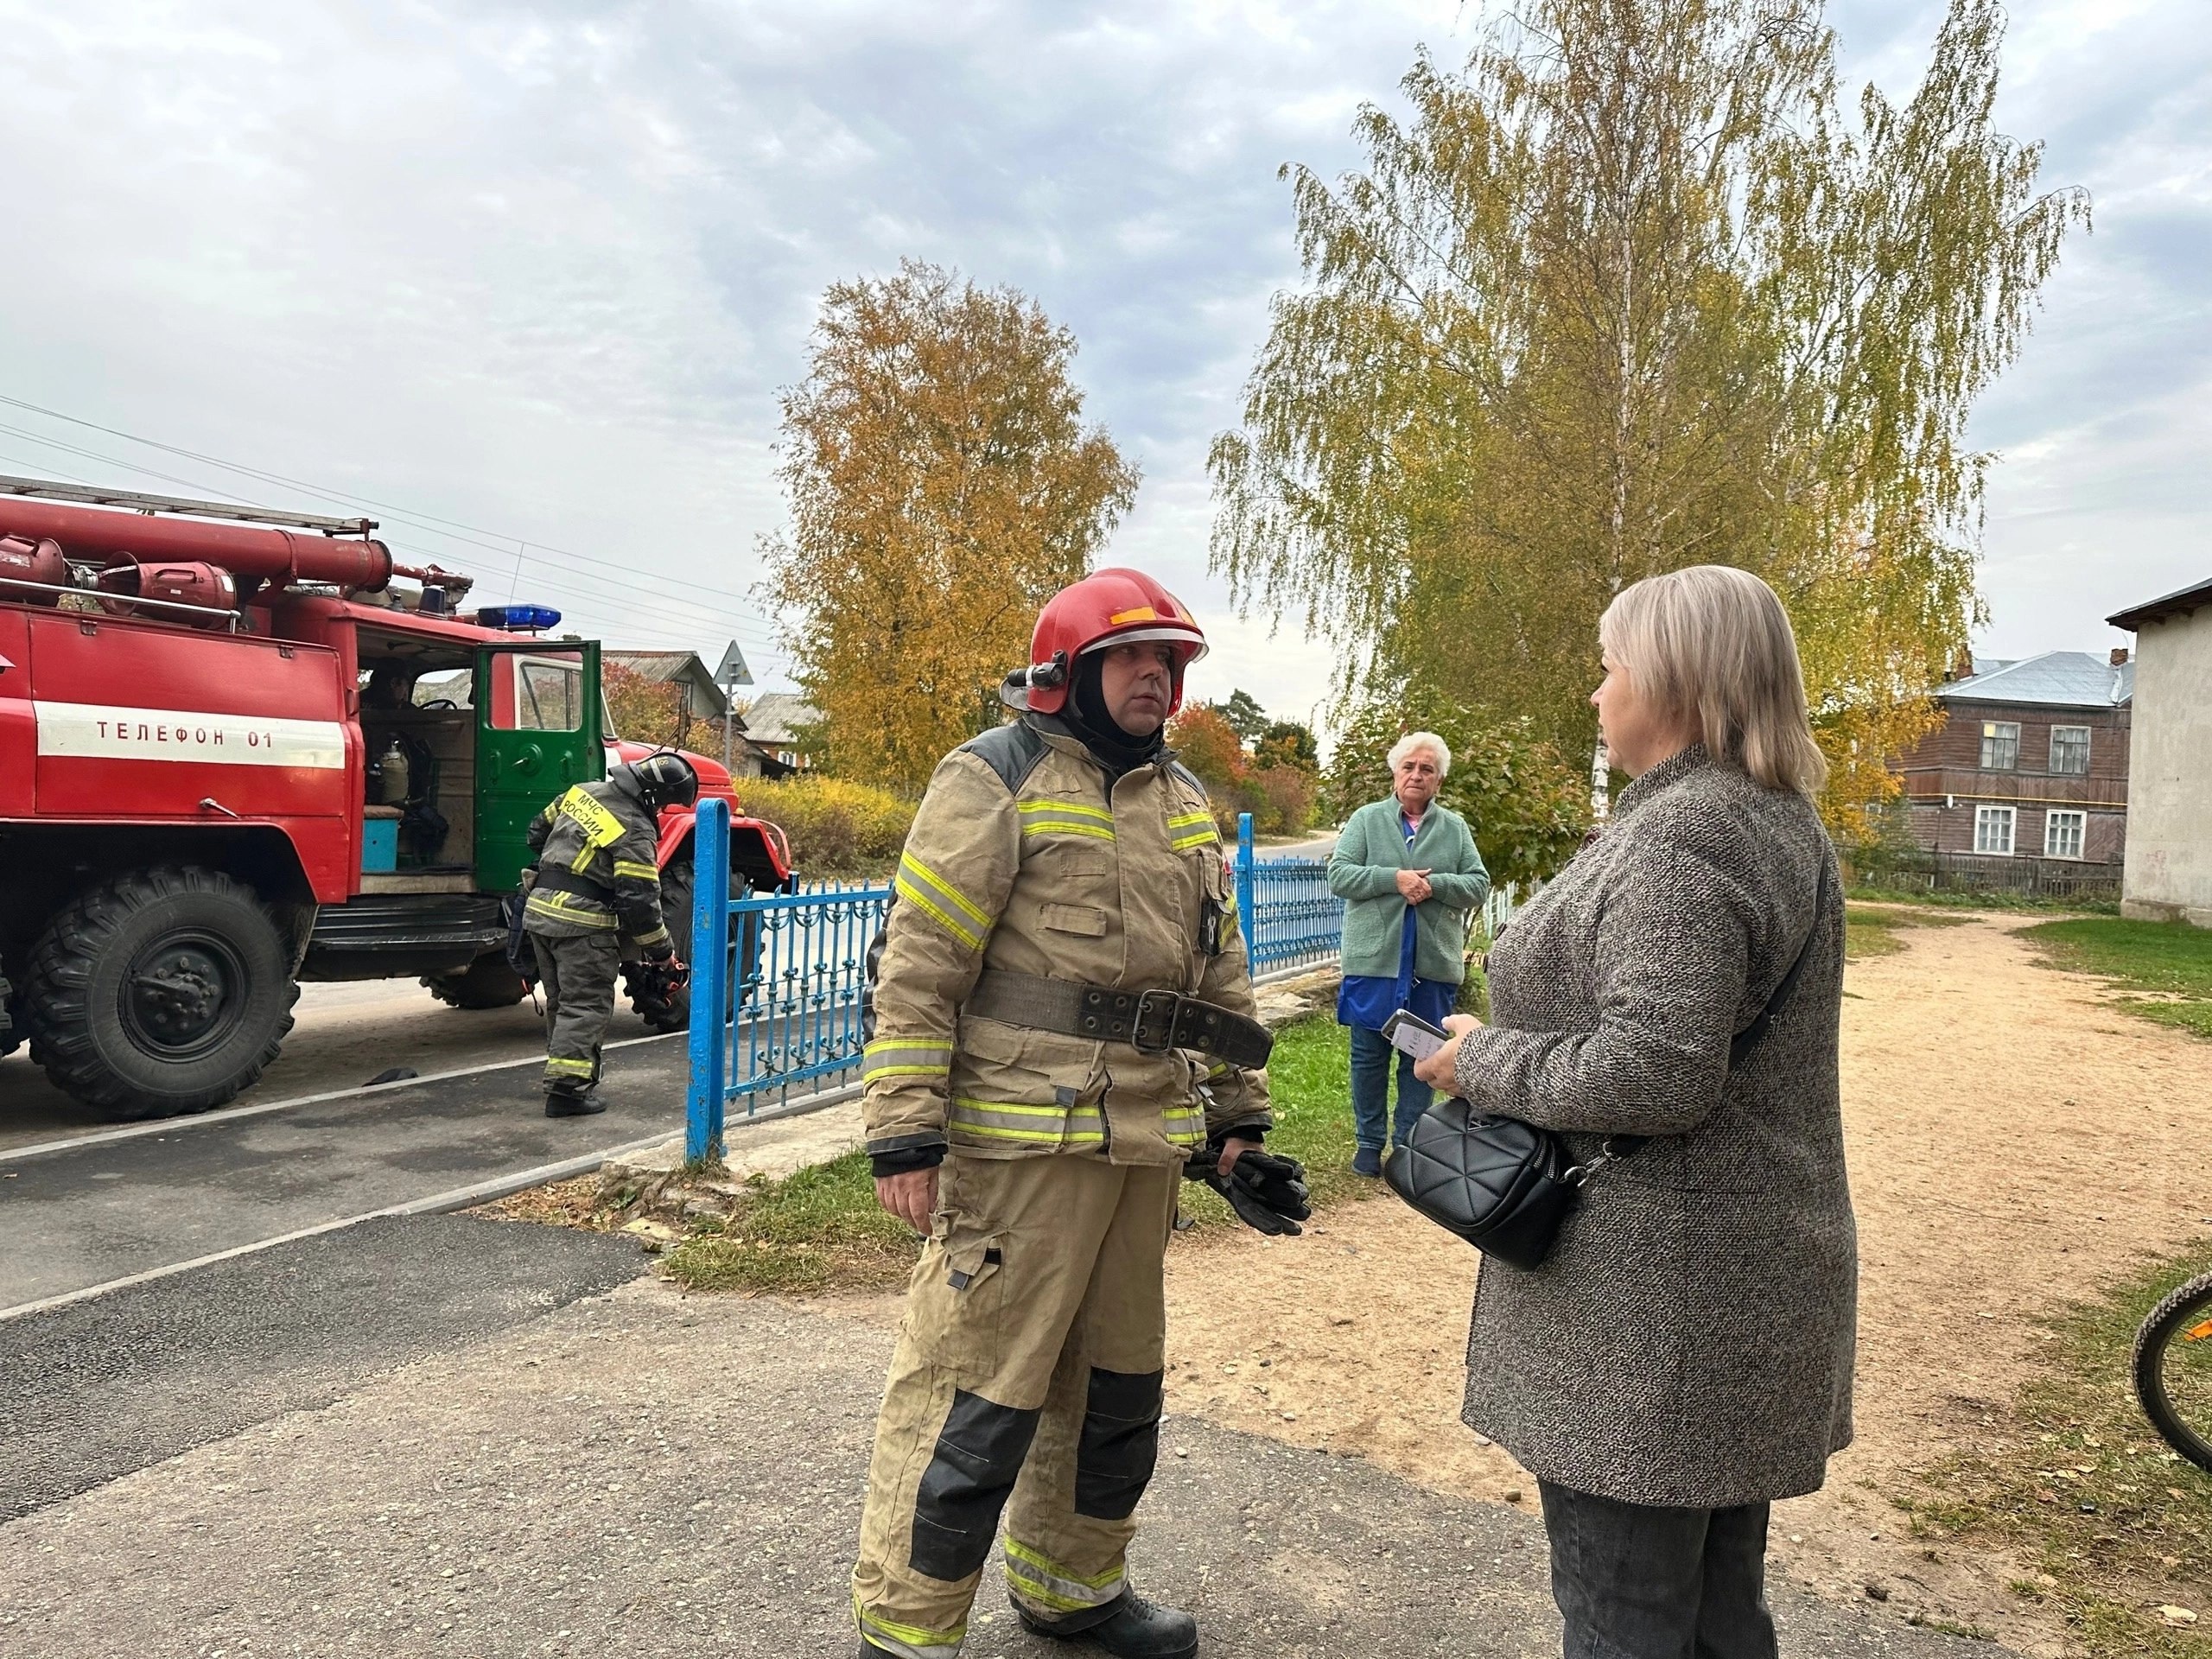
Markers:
point(568, 1102)
point(1129, 1627)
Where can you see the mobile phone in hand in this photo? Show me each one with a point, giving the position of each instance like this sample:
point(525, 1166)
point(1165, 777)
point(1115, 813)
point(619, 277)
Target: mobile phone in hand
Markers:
point(1411, 1034)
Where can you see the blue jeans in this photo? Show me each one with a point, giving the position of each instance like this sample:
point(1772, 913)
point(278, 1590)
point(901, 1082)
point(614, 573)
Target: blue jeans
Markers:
point(1371, 1055)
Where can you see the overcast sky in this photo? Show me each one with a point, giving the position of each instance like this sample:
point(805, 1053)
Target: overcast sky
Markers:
point(540, 270)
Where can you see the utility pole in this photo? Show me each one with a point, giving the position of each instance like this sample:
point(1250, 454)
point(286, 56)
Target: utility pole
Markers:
point(732, 673)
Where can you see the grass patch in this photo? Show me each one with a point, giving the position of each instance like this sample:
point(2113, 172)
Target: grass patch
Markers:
point(1309, 1080)
point(1869, 930)
point(1962, 898)
point(2167, 965)
point(2081, 1487)
point(819, 1227)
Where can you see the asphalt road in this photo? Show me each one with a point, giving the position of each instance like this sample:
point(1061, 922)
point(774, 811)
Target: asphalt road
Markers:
point(342, 1036)
point(125, 1204)
point(648, 1474)
point(102, 1388)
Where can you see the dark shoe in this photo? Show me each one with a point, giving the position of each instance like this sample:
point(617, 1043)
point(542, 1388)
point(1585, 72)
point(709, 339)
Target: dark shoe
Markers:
point(1129, 1627)
point(560, 1103)
point(1368, 1161)
point(869, 1651)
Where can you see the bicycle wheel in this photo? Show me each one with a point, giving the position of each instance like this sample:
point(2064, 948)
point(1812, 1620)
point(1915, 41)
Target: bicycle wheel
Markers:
point(2173, 1370)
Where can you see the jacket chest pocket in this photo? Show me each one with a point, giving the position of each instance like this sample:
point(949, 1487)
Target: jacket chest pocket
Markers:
point(1078, 870)
point(1087, 921)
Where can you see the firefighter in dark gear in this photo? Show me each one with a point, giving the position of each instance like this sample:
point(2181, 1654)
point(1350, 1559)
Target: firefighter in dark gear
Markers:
point(1062, 1019)
point(596, 881)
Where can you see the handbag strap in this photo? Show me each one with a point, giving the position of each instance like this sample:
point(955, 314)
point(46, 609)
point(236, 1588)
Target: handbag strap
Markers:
point(1617, 1147)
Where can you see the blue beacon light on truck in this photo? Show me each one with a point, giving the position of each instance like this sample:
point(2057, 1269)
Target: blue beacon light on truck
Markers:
point(518, 619)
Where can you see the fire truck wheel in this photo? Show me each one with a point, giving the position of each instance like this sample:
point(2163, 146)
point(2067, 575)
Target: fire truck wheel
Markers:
point(11, 1035)
point(486, 982)
point(675, 1013)
point(159, 991)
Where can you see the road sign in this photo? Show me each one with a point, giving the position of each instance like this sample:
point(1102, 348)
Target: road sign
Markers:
point(733, 672)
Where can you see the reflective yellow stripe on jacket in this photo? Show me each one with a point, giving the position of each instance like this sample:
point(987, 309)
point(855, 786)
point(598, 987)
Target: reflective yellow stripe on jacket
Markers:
point(1066, 818)
point(1185, 1125)
point(1191, 829)
point(904, 1056)
point(1009, 1123)
point(941, 901)
point(568, 907)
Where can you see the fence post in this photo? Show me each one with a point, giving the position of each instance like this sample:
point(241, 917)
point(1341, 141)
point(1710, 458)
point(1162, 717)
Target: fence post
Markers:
point(1246, 916)
point(710, 958)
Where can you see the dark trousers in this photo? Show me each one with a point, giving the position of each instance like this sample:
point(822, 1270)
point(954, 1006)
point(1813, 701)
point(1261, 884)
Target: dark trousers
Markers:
point(577, 977)
point(1643, 1582)
point(1371, 1058)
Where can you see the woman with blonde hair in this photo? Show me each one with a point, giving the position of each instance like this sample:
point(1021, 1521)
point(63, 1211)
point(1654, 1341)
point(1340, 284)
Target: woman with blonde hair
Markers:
point(1683, 1356)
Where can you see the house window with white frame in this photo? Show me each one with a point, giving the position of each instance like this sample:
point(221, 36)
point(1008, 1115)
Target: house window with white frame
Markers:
point(2000, 744)
point(2062, 833)
point(2069, 749)
point(1992, 828)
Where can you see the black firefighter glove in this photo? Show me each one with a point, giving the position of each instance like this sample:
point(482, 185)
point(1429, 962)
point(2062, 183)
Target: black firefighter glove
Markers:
point(1265, 1191)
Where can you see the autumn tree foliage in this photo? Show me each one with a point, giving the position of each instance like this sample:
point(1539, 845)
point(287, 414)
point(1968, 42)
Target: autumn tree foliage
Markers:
point(1525, 803)
point(1278, 788)
point(1634, 290)
point(646, 711)
point(942, 485)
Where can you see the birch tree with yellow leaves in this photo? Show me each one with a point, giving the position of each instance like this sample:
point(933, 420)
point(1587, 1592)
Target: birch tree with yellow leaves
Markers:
point(1635, 290)
point(942, 486)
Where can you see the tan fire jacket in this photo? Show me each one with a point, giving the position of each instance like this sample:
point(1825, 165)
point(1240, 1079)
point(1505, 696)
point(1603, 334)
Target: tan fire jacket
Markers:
point(1022, 860)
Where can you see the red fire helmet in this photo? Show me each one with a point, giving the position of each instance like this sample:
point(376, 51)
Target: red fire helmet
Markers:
point(1106, 608)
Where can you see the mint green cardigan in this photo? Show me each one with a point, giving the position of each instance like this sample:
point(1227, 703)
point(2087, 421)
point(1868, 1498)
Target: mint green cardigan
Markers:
point(1364, 873)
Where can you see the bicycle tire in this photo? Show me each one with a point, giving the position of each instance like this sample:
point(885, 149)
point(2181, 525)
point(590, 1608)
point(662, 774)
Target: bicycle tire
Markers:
point(2189, 1303)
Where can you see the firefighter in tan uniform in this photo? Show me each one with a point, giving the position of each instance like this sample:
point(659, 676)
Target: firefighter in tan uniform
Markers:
point(596, 880)
point(1062, 1020)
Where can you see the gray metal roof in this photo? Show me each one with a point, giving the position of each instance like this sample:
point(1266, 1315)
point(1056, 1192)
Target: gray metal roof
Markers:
point(2177, 603)
point(775, 717)
point(2073, 679)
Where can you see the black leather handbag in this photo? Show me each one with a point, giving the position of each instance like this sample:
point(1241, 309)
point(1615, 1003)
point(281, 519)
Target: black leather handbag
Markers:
point(1504, 1185)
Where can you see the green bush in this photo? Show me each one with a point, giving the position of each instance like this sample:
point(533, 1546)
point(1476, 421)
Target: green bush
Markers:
point(836, 827)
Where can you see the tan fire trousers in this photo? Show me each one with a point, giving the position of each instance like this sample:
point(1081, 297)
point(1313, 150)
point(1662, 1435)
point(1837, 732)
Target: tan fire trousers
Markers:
point(1029, 1365)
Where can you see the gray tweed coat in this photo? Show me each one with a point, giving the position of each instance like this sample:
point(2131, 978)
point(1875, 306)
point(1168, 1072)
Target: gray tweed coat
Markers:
point(1689, 1341)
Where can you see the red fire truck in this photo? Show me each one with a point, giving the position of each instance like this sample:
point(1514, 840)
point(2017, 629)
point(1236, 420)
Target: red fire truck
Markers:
point(221, 773)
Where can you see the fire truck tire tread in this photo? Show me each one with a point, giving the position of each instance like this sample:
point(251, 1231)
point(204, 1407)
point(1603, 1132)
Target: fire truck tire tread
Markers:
point(11, 1035)
point(72, 994)
point(676, 886)
point(486, 982)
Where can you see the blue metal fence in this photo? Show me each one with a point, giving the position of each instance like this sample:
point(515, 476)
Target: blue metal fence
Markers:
point(789, 969)
point(1290, 918)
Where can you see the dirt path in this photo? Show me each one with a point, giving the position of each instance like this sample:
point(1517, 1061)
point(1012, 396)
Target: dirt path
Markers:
point(2013, 1141)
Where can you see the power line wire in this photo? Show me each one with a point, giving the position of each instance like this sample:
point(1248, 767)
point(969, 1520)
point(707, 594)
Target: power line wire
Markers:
point(430, 522)
point(621, 598)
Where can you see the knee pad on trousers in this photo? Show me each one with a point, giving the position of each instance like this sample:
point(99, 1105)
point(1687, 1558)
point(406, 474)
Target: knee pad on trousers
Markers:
point(1120, 1444)
point(979, 1455)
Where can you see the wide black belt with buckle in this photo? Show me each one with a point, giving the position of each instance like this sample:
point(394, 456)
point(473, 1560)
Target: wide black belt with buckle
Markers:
point(1151, 1022)
point(551, 878)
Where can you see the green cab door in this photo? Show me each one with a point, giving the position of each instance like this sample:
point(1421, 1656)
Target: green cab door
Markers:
point(538, 716)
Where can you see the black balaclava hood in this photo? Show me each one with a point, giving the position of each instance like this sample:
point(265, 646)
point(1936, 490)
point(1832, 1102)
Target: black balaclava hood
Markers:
point(1086, 713)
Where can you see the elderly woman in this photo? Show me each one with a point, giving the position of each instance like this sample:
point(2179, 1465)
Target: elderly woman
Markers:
point(1408, 872)
point(1683, 1356)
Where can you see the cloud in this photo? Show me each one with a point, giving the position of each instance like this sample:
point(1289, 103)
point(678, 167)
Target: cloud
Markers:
point(543, 268)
